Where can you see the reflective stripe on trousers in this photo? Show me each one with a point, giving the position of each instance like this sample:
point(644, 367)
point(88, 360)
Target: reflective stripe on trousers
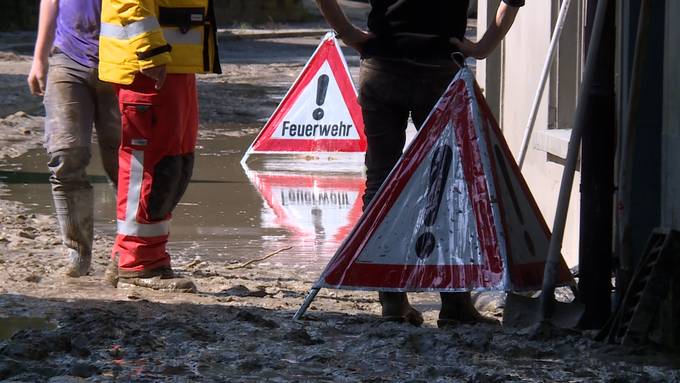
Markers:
point(129, 225)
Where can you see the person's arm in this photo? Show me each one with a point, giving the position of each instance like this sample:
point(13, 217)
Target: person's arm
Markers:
point(505, 17)
point(348, 32)
point(47, 26)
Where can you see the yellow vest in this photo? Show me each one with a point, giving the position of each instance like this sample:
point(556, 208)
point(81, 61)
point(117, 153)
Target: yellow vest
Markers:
point(142, 34)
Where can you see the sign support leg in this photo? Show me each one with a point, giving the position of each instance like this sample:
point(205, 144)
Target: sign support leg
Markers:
point(305, 305)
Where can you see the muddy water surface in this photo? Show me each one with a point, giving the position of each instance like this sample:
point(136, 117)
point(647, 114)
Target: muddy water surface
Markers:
point(10, 326)
point(231, 213)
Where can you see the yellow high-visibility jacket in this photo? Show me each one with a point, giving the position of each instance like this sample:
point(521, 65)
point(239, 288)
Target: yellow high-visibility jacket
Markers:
point(141, 34)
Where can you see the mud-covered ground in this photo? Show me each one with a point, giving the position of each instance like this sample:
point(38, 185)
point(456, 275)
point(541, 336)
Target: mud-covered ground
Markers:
point(238, 327)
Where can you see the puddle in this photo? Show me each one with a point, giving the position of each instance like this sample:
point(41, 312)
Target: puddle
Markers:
point(12, 325)
point(230, 213)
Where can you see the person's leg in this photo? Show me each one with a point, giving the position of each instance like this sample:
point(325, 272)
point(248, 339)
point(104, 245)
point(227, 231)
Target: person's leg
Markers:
point(68, 127)
point(73, 203)
point(430, 86)
point(456, 307)
point(156, 159)
point(382, 97)
point(385, 112)
point(107, 125)
point(459, 308)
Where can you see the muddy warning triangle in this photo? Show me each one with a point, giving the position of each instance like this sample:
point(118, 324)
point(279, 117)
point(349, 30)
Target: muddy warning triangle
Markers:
point(320, 113)
point(455, 214)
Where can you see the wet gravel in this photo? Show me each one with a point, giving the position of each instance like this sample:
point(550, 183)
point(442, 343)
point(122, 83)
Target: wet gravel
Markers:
point(239, 328)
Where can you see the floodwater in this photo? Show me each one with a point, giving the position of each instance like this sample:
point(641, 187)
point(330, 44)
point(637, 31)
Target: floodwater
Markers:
point(12, 325)
point(231, 213)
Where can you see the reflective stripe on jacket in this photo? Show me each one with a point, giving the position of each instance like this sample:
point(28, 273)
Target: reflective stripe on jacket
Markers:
point(141, 34)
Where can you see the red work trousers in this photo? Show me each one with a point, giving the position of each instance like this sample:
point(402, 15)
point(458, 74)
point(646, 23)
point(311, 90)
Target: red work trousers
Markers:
point(156, 156)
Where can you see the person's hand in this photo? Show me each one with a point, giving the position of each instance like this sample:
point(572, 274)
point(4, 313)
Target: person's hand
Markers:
point(37, 77)
point(469, 48)
point(356, 39)
point(157, 74)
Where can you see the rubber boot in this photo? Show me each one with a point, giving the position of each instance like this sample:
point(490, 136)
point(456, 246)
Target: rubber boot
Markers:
point(396, 308)
point(75, 216)
point(162, 278)
point(74, 205)
point(458, 308)
point(111, 272)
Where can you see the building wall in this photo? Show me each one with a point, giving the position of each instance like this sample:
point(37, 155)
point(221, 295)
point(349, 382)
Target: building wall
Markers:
point(519, 67)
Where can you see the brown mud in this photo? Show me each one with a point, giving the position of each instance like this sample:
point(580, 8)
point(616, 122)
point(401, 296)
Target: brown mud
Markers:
point(239, 327)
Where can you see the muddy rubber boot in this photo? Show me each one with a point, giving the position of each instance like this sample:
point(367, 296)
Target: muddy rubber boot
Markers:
point(111, 272)
point(396, 308)
point(457, 308)
point(163, 279)
point(74, 205)
point(75, 215)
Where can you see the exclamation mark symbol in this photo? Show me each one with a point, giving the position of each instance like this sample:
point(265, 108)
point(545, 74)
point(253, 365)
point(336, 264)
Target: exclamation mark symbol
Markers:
point(439, 174)
point(321, 89)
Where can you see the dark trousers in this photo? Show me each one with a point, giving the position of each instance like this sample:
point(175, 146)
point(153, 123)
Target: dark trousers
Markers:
point(390, 91)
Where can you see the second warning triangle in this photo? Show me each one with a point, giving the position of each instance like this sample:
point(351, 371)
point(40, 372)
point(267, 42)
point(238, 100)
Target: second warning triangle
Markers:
point(320, 113)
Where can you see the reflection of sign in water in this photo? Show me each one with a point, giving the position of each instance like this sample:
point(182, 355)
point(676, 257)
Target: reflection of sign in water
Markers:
point(314, 207)
point(320, 113)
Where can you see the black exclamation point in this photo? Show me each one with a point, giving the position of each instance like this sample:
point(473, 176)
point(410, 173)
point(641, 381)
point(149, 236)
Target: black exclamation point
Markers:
point(321, 88)
point(439, 174)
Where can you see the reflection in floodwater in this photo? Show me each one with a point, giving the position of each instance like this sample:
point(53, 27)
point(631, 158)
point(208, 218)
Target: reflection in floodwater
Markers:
point(316, 208)
point(12, 325)
point(19, 177)
point(314, 163)
point(221, 217)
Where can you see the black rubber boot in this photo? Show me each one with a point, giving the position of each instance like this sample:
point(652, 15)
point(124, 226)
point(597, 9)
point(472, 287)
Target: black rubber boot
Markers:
point(396, 308)
point(457, 308)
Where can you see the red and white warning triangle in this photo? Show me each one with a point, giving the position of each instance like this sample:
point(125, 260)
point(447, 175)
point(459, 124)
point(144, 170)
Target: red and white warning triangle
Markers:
point(455, 214)
point(320, 113)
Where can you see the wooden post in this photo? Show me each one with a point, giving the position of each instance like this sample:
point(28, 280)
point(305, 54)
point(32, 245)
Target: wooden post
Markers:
point(670, 156)
point(597, 185)
point(590, 100)
point(670, 168)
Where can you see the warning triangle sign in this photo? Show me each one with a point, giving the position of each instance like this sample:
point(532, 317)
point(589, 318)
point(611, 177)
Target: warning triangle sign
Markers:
point(455, 214)
point(320, 113)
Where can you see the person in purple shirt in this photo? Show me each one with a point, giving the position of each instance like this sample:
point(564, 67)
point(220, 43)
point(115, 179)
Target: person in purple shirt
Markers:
point(75, 103)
